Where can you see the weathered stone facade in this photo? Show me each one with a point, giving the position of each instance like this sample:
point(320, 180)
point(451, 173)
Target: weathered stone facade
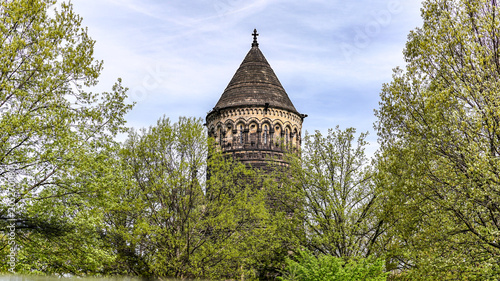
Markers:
point(254, 120)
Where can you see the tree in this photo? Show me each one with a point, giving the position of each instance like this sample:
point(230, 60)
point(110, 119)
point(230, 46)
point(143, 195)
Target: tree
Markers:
point(55, 137)
point(439, 129)
point(332, 191)
point(174, 221)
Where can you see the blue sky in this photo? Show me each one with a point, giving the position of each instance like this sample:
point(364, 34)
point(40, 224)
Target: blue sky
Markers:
point(177, 56)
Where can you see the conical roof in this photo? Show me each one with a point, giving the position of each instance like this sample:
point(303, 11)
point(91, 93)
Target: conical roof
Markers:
point(255, 84)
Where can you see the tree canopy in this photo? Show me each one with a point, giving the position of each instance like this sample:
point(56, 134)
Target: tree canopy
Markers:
point(173, 219)
point(55, 136)
point(332, 181)
point(439, 132)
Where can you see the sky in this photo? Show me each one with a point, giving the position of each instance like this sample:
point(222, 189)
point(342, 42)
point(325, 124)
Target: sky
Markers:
point(177, 56)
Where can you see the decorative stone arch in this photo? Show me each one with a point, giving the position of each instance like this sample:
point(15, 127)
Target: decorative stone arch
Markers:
point(229, 137)
point(253, 119)
point(278, 123)
point(278, 132)
point(287, 123)
point(229, 122)
point(266, 120)
point(253, 126)
point(239, 121)
point(253, 132)
point(239, 130)
point(219, 133)
point(211, 131)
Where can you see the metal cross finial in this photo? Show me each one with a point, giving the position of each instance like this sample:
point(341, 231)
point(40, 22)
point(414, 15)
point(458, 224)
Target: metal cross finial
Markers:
point(255, 34)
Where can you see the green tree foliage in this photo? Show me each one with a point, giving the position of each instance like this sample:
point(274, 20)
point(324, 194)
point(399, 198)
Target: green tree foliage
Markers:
point(439, 128)
point(172, 220)
point(332, 187)
point(55, 138)
point(307, 267)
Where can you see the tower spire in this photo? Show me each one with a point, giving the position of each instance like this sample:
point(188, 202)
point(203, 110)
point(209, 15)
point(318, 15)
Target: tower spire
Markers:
point(254, 121)
point(255, 34)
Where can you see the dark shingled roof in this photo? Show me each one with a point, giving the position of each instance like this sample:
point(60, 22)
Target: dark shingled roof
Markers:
point(255, 84)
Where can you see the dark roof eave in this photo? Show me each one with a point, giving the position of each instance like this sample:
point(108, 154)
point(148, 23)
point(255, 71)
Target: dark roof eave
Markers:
point(217, 109)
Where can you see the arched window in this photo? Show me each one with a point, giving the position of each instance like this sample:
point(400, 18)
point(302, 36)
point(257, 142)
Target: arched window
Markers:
point(295, 135)
point(229, 135)
point(241, 134)
point(266, 132)
point(278, 135)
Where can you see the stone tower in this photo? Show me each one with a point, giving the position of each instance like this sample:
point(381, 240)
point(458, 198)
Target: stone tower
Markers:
point(254, 119)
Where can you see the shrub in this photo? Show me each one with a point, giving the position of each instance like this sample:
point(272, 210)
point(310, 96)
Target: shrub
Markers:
point(307, 267)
